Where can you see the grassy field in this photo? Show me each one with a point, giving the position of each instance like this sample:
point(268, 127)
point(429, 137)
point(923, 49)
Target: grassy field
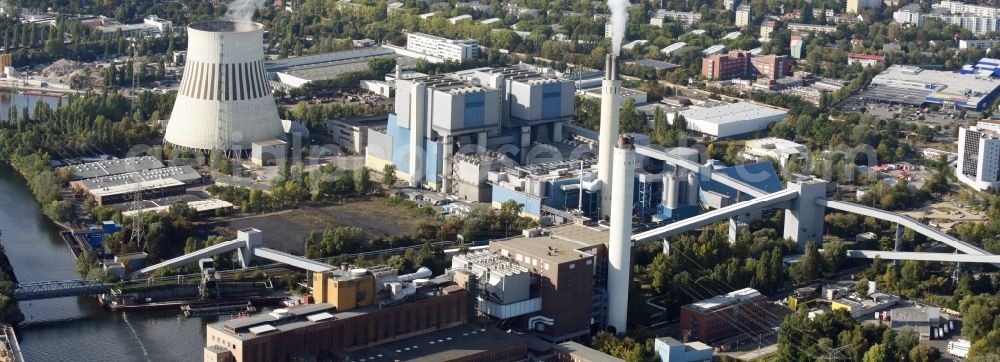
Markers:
point(286, 230)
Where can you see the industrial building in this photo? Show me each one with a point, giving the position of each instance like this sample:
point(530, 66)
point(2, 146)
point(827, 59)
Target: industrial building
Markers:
point(900, 84)
point(859, 307)
point(146, 189)
point(120, 180)
point(224, 101)
point(569, 263)
point(116, 166)
point(299, 71)
point(357, 316)
point(465, 343)
point(923, 320)
point(473, 110)
point(437, 49)
point(351, 134)
point(637, 96)
point(778, 149)
point(984, 68)
point(725, 316)
point(150, 26)
point(979, 155)
point(184, 174)
point(574, 352)
point(731, 119)
point(672, 350)
point(268, 152)
point(202, 208)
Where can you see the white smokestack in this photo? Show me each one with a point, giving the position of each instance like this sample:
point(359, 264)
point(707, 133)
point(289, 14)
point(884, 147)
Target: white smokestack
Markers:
point(610, 107)
point(619, 19)
point(620, 245)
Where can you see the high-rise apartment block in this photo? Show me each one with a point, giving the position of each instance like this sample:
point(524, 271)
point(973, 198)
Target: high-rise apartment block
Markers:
point(979, 155)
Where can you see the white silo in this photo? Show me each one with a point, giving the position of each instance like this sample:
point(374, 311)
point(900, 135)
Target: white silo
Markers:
point(224, 101)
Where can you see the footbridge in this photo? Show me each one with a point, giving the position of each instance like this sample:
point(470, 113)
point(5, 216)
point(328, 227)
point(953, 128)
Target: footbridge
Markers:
point(60, 289)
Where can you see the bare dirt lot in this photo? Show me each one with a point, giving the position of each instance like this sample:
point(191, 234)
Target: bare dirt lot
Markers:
point(286, 230)
point(946, 214)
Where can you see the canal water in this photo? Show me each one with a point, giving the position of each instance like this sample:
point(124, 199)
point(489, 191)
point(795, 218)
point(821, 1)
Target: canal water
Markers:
point(20, 101)
point(78, 328)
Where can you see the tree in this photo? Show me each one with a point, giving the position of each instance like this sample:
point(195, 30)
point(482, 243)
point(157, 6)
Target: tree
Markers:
point(809, 268)
point(861, 287)
point(363, 181)
point(834, 253)
point(510, 211)
point(631, 120)
point(877, 353)
point(389, 177)
point(980, 313)
point(924, 353)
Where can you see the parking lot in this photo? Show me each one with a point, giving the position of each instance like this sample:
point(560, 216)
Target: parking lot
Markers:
point(909, 113)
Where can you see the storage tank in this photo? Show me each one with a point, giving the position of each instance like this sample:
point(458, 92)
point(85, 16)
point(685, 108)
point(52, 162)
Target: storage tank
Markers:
point(359, 272)
point(670, 189)
point(692, 188)
point(224, 101)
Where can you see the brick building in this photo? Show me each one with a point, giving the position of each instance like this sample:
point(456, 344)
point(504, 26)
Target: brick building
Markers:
point(771, 67)
point(740, 64)
point(735, 64)
point(321, 331)
point(725, 316)
point(567, 268)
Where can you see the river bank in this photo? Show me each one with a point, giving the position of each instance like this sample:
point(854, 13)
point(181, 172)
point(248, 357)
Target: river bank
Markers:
point(80, 326)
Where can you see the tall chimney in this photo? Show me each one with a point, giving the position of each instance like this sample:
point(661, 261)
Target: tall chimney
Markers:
point(610, 105)
point(620, 245)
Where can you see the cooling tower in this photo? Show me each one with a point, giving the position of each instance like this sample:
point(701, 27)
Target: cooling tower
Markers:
point(224, 101)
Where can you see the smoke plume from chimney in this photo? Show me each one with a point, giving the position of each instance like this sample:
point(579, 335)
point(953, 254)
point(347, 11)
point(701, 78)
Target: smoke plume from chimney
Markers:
point(242, 10)
point(619, 19)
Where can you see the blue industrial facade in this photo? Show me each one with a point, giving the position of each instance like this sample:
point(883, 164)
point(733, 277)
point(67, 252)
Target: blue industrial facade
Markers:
point(401, 151)
point(475, 110)
point(400, 144)
point(532, 205)
point(551, 100)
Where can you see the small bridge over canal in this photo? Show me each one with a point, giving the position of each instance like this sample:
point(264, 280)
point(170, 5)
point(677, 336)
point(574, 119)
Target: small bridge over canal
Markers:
point(60, 289)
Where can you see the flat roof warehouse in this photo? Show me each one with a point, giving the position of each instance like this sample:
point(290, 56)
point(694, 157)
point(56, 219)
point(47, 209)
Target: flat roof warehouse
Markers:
point(908, 84)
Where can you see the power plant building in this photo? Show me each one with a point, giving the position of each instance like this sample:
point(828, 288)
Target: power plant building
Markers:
point(569, 263)
point(224, 101)
point(474, 110)
point(323, 330)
